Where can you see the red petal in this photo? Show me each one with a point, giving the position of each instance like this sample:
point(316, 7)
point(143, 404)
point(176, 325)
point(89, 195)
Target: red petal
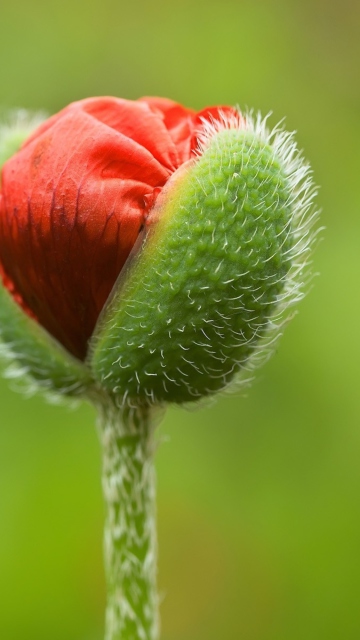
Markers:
point(74, 201)
point(178, 121)
point(75, 198)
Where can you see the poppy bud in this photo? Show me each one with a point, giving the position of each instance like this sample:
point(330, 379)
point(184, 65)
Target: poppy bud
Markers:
point(155, 244)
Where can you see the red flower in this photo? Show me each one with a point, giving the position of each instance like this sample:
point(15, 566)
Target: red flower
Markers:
point(74, 199)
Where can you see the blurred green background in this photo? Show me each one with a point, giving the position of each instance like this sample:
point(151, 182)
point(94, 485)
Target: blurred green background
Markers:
point(258, 495)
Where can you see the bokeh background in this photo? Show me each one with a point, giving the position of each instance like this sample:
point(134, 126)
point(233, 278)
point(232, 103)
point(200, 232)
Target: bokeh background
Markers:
point(258, 495)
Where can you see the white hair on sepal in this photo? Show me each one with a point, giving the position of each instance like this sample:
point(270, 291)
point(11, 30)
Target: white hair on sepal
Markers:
point(210, 126)
point(15, 126)
point(21, 118)
point(304, 216)
point(21, 381)
point(296, 169)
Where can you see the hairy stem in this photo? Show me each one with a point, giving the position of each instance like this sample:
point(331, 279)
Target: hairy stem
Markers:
point(130, 533)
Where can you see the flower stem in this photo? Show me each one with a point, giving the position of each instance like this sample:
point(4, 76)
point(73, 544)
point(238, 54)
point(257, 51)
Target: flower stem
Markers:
point(130, 531)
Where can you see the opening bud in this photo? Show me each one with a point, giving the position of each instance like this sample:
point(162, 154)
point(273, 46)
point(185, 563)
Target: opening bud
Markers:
point(156, 245)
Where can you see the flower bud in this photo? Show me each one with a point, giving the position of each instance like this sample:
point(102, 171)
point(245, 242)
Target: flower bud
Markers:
point(158, 245)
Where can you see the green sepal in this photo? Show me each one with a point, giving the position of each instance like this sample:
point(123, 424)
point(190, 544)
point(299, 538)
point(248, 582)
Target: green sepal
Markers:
point(36, 355)
point(190, 310)
point(15, 128)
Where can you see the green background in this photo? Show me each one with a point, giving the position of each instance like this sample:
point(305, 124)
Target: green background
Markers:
point(258, 495)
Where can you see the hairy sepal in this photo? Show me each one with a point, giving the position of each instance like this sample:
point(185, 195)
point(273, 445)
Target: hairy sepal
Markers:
point(15, 128)
point(224, 257)
point(35, 357)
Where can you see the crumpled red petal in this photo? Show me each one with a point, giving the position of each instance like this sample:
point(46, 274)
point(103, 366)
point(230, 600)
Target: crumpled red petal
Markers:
point(75, 198)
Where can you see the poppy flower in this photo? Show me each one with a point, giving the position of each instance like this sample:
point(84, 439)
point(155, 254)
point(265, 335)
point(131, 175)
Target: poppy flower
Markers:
point(75, 197)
